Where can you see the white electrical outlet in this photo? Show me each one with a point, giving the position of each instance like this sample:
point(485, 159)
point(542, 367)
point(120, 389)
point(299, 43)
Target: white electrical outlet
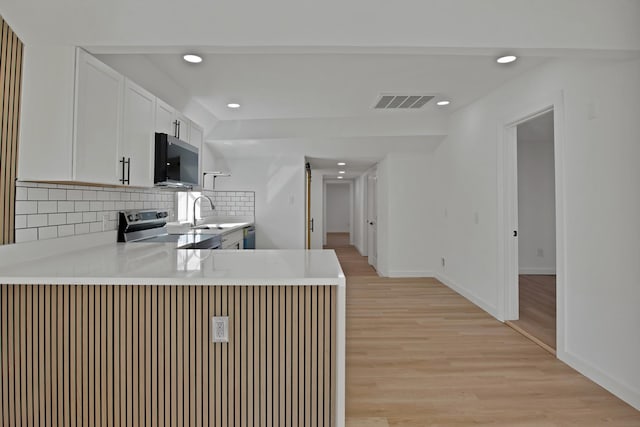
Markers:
point(220, 329)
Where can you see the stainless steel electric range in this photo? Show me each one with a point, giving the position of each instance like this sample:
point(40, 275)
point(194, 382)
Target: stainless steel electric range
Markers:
point(149, 226)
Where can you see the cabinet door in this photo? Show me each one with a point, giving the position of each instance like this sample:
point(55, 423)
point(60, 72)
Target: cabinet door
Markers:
point(183, 127)
point(233, 240)
point(138, 134)
point(48, 82)
point(196, 135)
point(165, 118)
point(98, 115)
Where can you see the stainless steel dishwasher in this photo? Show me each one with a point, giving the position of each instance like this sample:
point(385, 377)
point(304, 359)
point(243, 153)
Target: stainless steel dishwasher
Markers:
point(249, 237)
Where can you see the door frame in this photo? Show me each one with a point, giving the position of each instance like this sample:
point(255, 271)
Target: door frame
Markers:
point(371, 174)
point(508, 210)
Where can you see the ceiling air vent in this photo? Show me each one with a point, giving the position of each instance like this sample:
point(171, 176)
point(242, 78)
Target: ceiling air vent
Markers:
point(388, 102)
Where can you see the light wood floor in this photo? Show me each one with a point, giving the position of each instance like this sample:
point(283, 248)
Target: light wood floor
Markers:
point(537, 297)
point(419, 354)
point(353, 264)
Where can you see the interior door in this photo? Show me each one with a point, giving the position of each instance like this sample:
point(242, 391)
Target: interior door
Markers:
point(372, 219)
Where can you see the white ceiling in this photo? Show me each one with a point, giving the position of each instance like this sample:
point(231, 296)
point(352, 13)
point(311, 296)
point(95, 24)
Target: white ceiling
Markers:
point(330, 169)
point(286, 86)
point(308, 73)
point(495, 24)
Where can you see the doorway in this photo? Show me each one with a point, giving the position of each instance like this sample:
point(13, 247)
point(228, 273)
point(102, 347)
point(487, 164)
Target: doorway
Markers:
point(338, 213)
point(536, 230)
point(531, 213)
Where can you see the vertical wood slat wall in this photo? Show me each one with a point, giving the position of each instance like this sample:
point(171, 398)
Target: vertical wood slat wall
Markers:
point(10, 84)
point(142, 356)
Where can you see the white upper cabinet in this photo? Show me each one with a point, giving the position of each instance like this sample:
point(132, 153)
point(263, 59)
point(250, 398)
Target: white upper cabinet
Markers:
point(46, 113)
point(98, 116)
point(183, 125)
point(196, 135)
point(172, 122)
point(80, 119)
point(138, 136)
point(165, 118)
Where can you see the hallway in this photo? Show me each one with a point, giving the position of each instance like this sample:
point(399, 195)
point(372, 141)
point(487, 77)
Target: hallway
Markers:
point(419, 354)
point(353, 264)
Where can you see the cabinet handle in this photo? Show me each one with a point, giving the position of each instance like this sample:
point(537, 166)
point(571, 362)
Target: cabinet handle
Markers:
point(176, 131)
point(126, 162)
point(312, 225)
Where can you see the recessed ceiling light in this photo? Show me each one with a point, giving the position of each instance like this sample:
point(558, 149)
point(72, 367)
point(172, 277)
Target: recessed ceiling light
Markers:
point(339, 177)
point(341, 164)
point(194, 59)
point(233, 105)
point(506, 59)
point(341, 172)
point(443, 102)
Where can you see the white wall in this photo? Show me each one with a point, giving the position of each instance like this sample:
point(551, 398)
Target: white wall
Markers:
point(279, 185)
point(338, 208)
point(601, 203)
point(406, 239)
point(536, 205)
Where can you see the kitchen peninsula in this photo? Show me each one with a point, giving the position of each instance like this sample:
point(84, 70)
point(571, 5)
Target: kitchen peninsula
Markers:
point(115, 333)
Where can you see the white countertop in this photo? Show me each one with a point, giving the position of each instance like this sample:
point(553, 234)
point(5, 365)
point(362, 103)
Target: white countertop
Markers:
point(163, 264)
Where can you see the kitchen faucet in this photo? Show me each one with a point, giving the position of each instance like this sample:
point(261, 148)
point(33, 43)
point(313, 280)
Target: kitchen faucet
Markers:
point(195, 202)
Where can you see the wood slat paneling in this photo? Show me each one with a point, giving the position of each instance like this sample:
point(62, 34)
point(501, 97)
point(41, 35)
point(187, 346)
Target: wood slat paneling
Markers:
point(10, 89)
point(142, 355)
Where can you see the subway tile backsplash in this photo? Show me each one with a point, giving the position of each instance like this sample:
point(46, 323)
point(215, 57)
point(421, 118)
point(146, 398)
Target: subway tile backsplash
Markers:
point(229, 203)
point(47, 211)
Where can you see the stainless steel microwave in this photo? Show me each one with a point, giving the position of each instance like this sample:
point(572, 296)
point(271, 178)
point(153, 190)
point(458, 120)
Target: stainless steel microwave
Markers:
point(176, 162)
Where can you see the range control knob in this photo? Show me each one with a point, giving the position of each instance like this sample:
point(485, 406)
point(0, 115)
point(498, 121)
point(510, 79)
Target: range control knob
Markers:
point(130, 217)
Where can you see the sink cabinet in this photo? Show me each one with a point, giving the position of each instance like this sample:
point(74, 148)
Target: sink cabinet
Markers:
point(233, 240)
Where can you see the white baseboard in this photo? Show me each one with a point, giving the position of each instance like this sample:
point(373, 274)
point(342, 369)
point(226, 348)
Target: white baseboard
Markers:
point(623, 391)
point(408, 273)
point(537, 271)
point(492, 310)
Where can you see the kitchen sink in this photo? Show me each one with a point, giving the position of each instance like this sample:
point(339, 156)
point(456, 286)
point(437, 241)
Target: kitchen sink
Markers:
point(223, 226)
point(213, 242)
point(208, 227)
